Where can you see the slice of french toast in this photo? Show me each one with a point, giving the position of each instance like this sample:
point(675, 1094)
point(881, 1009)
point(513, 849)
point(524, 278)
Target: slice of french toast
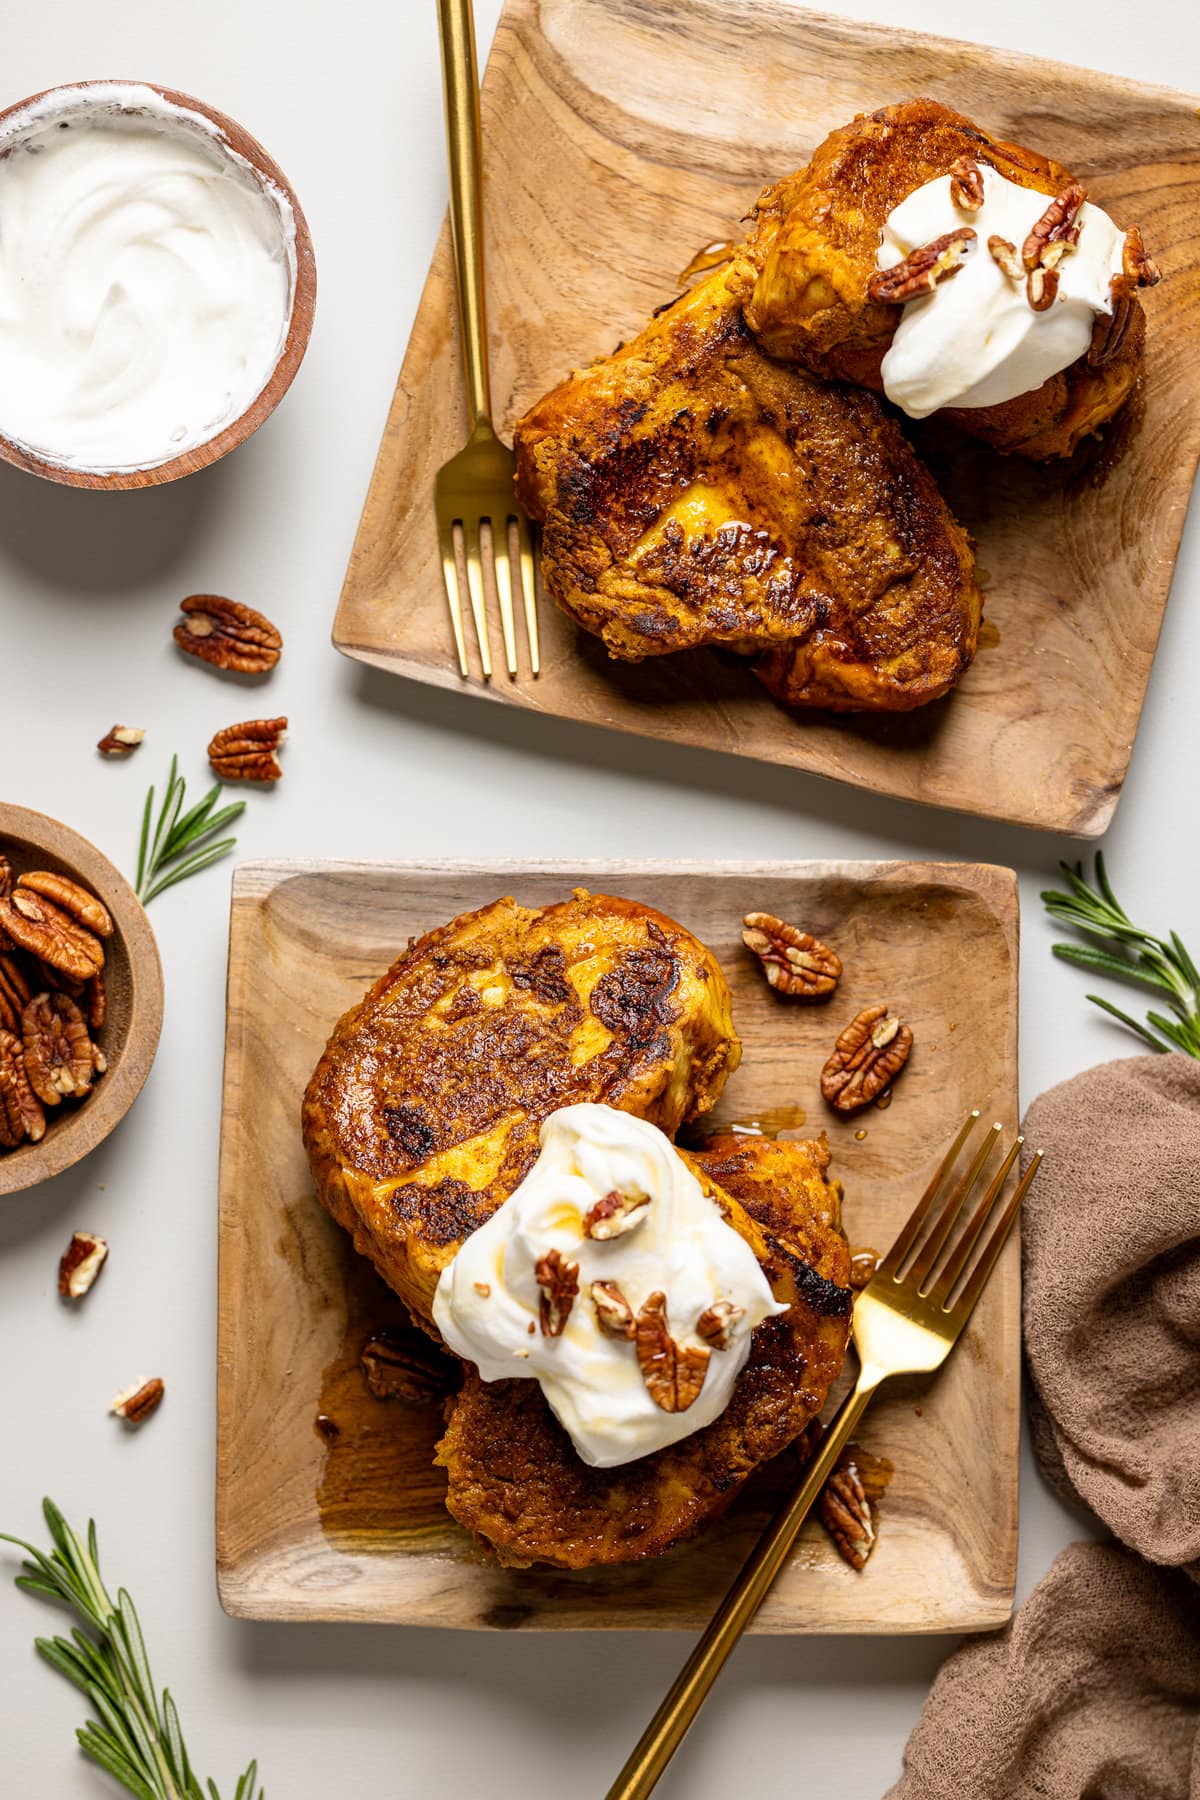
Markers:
point(422, 1115)
point(515, 1480)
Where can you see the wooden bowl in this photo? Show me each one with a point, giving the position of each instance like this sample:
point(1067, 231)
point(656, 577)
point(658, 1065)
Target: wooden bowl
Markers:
point(133, 977)
point(304, 297)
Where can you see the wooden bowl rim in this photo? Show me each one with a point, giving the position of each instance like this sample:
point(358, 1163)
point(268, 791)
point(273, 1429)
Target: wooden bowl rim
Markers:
point(73, 1137)
point(300, 322)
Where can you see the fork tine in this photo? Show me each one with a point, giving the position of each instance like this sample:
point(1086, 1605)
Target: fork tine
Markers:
point(908, 1234)
point(529, 590)
point(943, 1287)
point(474, 557)
point(963, 1306)
point(932, 1248)
point(503, 569)
point(453, 597)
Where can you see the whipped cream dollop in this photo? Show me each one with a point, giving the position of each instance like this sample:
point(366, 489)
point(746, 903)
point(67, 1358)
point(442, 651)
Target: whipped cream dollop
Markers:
point(975, 340)
point(146, 278)
point(671, 1239)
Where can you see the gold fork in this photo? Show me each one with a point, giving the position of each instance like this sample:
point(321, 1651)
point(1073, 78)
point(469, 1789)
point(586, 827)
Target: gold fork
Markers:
point(475, 488)
point(906, 1322)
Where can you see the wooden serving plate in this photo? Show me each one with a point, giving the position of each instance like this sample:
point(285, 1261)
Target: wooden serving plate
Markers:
point(344, 1519)
point(621, 136)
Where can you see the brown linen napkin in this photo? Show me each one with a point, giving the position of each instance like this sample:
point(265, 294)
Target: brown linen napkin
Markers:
point(1111, 1250)
point(1092, 1692)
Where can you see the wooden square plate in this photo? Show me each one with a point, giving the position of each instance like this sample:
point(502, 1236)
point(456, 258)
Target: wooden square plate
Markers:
point(328, 1504)
point(618, 138)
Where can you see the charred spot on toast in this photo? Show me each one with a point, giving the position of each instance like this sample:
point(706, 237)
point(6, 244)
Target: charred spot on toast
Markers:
point(544, 976)
point(634, 999)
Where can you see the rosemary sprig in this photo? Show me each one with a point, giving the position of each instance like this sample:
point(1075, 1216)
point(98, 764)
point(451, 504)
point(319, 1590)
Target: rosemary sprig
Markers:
point(1131, 954)
point(180, 844)
point(136, 1738)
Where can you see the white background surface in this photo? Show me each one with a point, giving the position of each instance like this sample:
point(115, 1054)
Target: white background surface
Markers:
point(348, 99)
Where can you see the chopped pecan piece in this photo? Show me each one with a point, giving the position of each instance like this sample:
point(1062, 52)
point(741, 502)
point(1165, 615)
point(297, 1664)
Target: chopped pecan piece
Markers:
point(82, 1261)
point(614, 1315)
point(403, 1366)
point(42, 928)
point(21, 1114)
point(559, 1281)
point(1136, 266)
point(673, 1373)
point(850, 1499)
point(136, 1403)
point(614, 1214)
point(73, 899)
point(1005, 254)
point(1041, 288)
point(227, 634)
point(246, 752)
point(922, 268)
point(715, 1324)
point(1059, 224)
point(966, 184)
point(122, 740)
point(868, 1055)
point(793, 961)
point(58, 1051)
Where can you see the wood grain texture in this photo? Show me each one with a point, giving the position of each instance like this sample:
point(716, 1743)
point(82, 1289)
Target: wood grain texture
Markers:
point(619, 136)
point(348, 1522)
point(134, 984)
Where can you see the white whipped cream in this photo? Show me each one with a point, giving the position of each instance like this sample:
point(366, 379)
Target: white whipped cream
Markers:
point(487, 1301)
point(146, 278)
point(975, 340)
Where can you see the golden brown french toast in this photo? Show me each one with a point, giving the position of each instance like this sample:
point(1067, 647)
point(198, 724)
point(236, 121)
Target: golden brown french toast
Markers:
point(422, 1115)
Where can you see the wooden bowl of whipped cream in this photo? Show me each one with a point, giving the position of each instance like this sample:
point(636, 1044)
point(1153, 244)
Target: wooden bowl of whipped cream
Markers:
point(157, 286)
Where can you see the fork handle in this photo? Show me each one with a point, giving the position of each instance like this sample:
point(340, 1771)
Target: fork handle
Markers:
point(666, 1730)
point(460, 75)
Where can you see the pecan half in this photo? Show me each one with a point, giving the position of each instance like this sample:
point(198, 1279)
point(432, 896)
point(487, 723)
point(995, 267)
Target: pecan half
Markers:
point(794, 962)
point(82, 1261)
point(1005, 254)
point(1136, 266)
point(58, 1051)
point(73, 899)
point(122, 740)
point(136, 1403)
point(97, 1001)
point(849, 1504)
point(715, 1324)
point(1137, 270)
point(614, 1214)
point(21, 1114)
point(1041, 288)
point(614, 1315)
point(246, 752)
point(922, 268)
point(870, 1052)
point(1058, 224)
point(966, 184)
point(402, 1366)
point(15, 992)
point(227, 634)
point(42, 928)
point(673, 1373)
point(559, 1281)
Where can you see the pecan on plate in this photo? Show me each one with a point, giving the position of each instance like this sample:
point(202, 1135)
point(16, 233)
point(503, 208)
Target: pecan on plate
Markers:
point(966, 184)
point(122, 740)
point(15, 992)
point(849, 1503)
point(46, 931)
point(246, 752)
point(58, 1050)
point(923, 268)
point(868, 1055)
point(135, 1404)
point(558, 1280)
point(227, 634)
point(21, 1114)
point(405, 1366)
point(1059, 224)
point(73, 899)
point(673, 1373)
point(794, 962)
point(1137, 270)
point(614, 1315)
point(614, 1214)
point(82, 1261)
point(715, 1324)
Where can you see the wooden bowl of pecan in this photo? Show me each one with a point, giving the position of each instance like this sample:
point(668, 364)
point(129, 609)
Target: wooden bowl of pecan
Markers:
point(81, 998)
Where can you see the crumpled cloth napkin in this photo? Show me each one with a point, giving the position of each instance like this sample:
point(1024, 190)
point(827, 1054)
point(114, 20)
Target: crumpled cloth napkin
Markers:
point(1092, 1692)
point(1111, 1252)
